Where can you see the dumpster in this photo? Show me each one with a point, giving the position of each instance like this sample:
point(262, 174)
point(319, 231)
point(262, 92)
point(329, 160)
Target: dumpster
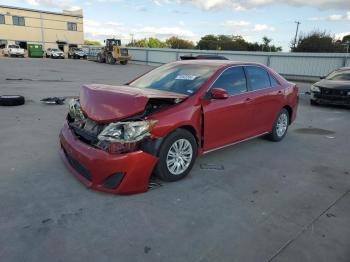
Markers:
point(35, 50)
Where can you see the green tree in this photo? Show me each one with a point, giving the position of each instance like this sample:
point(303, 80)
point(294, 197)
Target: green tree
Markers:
point(91, 42)
point(148, 42)
point(178, 43)
point(318, 42)
point(236, 43)
point(346, 39)
point(156, 43)
point(208, 42)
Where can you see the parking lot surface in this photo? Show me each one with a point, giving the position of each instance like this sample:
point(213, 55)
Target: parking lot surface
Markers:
point(255, 201)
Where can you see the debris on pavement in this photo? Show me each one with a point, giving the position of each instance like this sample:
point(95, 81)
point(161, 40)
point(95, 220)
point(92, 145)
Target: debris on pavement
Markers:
point(53, 100)
point(212, 166)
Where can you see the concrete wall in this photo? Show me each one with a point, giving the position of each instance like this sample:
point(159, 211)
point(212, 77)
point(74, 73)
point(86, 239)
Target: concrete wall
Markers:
point(41, 27)
point(304, 65)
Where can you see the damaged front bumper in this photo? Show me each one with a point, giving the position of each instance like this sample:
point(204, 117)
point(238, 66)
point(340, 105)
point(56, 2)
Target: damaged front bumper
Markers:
point(119, 174)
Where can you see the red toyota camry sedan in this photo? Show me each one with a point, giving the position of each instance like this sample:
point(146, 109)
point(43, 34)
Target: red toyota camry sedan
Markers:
point(116, 137)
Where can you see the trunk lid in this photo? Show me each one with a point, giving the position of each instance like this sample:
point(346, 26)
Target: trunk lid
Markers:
point(105, 103)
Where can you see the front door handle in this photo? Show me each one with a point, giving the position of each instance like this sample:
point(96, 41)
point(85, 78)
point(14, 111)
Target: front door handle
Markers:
point(248, 99)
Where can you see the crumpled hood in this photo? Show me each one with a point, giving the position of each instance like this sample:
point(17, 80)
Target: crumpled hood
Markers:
point(333, 84)
point(105, 103)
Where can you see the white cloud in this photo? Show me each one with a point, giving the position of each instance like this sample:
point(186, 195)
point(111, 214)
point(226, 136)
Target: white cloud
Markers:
point(241, 26)
point(249, 4)
point(62, 4)
point(340, 36)
point(96, 30)
point(263, 28)
point(335, 17)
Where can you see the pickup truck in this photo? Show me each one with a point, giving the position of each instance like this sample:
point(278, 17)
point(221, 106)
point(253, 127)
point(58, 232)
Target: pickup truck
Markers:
point(13, 50)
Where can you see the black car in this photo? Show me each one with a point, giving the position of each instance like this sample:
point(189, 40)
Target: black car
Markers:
point(333, 89)
point(203, 57)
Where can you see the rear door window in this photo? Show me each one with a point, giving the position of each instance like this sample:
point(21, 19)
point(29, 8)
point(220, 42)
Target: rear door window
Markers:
point(233, 80)
point(258, 78)
point(273, 81)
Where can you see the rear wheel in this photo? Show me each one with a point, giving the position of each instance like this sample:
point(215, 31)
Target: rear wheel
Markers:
point(280, 126)
point(124, 62)
point(176, 156)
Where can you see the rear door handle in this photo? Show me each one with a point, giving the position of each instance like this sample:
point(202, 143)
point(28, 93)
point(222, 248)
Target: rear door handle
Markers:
point(248, 99)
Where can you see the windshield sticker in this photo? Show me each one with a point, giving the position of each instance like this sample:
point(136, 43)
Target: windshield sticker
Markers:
point(190, 91)
point(186, 77)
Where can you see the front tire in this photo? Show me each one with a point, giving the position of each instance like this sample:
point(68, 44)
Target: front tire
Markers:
point(110, 59)
point(313, 103)
point(177, 155)
point(280, 126)
point(100, 59)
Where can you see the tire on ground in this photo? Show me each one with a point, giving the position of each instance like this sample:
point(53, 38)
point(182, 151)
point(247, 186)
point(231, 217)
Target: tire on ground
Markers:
point(11, 100)
point(161, 170)
point(273, 136)
point(313, 102)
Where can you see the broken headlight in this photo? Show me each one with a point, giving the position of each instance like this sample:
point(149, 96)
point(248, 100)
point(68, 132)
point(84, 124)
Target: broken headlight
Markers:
point(315, 88)
point(127, 132)
point(75, 110)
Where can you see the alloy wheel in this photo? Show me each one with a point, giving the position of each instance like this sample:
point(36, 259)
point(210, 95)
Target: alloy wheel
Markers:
point(179, 156)
point(282, 124)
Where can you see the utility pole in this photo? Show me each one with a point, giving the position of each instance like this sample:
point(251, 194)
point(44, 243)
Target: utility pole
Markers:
point(296, 33)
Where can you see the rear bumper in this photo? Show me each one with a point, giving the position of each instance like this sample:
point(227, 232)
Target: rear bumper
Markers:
point(93, 167)
point(330, 99)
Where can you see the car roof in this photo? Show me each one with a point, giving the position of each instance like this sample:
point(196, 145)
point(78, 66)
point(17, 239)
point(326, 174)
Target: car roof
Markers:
point(216, 63)
point(342, 68)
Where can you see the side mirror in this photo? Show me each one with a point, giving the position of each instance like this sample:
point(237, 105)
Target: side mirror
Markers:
point(218, 93)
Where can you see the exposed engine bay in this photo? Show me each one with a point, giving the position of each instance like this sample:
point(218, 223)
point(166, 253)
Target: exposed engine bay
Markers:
point(118, 137)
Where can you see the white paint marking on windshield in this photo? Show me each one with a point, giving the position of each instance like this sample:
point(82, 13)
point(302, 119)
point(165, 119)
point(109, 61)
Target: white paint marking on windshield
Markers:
point(186, 77)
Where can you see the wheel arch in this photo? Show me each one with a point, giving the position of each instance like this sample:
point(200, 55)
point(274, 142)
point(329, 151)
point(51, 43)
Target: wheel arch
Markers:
point(153, 146)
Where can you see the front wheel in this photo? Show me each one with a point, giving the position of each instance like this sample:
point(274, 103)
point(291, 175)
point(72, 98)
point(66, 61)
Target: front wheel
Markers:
point(100, 58)
point(110, 59)
point(313, 102)
point(176, 156)
point(280, 126)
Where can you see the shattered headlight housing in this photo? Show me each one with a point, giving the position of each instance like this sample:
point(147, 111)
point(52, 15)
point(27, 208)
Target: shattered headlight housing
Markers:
point(127, 132)
point(75, 110)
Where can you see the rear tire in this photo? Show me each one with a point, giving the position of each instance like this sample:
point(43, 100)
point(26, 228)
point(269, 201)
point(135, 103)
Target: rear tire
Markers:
point(280, 127)
point(177, 155)
point(11, 100)
point(124, 62)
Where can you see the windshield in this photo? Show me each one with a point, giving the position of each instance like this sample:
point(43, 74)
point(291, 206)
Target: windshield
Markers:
point(13, 46)
point(178, 78)
point(55, 50)
point(339, 75)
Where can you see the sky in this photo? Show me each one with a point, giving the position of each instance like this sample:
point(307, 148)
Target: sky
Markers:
point(192, 19)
